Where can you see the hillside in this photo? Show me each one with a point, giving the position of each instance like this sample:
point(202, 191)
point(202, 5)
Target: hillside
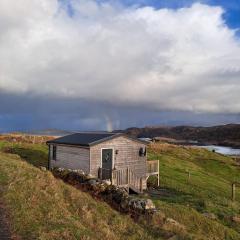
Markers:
point(42, 207)
point(226, 135)
point(206, 193)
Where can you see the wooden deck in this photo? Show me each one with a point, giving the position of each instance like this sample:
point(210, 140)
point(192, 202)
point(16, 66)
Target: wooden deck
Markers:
point(126, 177)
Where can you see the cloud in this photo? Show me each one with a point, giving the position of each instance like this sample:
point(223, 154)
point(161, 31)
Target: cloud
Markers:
point(186, 59)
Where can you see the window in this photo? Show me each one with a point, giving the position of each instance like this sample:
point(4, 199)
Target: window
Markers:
point(142, 151)
point(54, 152)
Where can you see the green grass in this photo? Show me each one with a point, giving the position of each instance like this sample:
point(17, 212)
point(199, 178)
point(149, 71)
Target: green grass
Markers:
point(42, 207)
point(35, 154)
point(207, 190)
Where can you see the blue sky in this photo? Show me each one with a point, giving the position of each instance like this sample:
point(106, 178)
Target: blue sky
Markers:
point(231, 7)
point(118, 65)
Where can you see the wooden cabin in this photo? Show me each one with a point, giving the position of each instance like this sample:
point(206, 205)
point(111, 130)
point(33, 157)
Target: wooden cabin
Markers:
point(114, 156)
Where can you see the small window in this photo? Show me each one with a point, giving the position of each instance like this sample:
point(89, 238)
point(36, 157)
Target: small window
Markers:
point(142, 151)
point(54, 153)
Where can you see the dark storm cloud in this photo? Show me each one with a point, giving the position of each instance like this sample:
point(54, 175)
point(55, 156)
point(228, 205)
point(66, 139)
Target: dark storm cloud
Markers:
point(108, 65)
point(21, 112)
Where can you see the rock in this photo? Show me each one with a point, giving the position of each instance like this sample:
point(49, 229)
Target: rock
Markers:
point(236, 219)
point(43, 169)
point(107, 182)
point(170, 223)
point(89, 176)
point(101, 187)
point(149, 205)
point(92, 182)
point(118, 195)
point(141, 204)
point(79, 171)
point(210, 215)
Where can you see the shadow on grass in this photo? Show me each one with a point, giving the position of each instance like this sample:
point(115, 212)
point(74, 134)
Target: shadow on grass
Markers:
point(171, 195)
point(36, 157)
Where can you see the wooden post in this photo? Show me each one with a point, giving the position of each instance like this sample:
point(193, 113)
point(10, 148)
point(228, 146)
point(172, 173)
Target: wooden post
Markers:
point(158, 174)
point(233, 191)
point(189, 175)
point(141, 185)
point(100, 173)
point(112, 177)
point(127, 173)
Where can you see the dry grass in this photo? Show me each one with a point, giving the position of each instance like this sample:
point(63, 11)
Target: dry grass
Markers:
point(42, 207)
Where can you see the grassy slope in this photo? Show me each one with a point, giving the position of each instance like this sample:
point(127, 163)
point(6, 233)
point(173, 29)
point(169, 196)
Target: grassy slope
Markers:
point(42, 207)
point(209, 189)
point(36, 154)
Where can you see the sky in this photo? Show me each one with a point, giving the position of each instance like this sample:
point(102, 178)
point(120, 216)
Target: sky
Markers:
point(103, 65)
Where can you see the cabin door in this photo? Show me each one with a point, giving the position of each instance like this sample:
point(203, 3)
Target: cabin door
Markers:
point(107, 162)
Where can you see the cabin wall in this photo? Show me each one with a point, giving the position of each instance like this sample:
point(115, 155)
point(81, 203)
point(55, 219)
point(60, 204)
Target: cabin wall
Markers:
point(70, 157)
point(128, 156)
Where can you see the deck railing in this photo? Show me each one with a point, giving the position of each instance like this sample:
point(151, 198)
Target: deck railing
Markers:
point(152, 167)
point(126, 177)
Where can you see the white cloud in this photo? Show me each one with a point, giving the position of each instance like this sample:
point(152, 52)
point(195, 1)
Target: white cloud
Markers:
point(185, 59)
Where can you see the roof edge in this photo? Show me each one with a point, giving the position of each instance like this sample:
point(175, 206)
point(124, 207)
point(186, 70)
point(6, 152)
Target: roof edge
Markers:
point(118, 135)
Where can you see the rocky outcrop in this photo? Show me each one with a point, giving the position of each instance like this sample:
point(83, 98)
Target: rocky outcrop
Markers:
point(116, 196)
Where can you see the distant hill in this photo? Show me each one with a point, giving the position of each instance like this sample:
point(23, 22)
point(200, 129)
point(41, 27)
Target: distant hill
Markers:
point(49, 132)
point(226, 135)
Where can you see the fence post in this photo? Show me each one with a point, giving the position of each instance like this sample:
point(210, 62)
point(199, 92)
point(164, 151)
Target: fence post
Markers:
point(189, 175)
point(233, 191)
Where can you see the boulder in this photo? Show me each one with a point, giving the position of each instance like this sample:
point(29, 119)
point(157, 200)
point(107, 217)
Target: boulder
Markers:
point(136, 204)
point(149, 205)
point(141, 204)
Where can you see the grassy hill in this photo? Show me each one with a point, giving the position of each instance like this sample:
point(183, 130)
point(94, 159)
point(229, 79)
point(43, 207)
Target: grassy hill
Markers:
point(207, 191)
point(42, 207)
